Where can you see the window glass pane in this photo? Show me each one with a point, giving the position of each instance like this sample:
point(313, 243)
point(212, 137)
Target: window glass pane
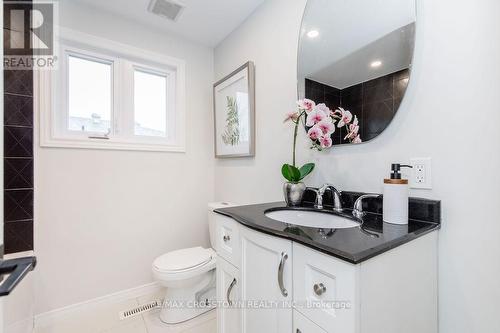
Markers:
point(89, 87)
point(150, 104)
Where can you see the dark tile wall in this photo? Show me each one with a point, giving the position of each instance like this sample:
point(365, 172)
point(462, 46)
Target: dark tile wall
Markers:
point(375, 102)
point(18, 158)
point(321, 93)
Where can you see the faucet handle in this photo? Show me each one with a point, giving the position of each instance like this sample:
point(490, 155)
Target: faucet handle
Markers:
point(358, 205)
point(318, 204)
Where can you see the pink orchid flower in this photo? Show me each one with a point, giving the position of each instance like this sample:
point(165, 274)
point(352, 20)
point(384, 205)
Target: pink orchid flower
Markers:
point(336, 114)
point(314, 133)
point(353, 129)
point(357, 139)
point(314, 117)
point(306, 104)
point(324, 108)
point(292, 115)
point(325, 141)
point(346, 117)
point(326, 126)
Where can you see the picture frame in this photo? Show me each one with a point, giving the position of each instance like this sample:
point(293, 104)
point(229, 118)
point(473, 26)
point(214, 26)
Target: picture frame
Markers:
point(234, 113)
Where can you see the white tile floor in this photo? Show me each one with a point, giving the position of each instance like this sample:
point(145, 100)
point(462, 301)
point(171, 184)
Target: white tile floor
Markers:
point(104, 318)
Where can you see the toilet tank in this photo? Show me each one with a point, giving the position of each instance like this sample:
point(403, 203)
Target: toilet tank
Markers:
point(211, 218)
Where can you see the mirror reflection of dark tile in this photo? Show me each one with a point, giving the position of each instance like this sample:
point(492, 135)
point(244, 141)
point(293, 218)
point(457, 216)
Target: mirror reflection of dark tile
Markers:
point(402, 74)
point(400, 87)
point(374, 102)
point(332, 101)
point(377, 116)
point(380, 81)
point(377, 93)
point(331, 90)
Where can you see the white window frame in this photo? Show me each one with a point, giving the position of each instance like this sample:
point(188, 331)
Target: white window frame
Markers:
point(61, 92)
point(51, 93)
point(170, 76)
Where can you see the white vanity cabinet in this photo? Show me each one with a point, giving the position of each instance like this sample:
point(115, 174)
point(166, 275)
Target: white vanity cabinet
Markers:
point(227, 240)
point(317, 278)
point(228, 292)
point(266, 277)
point(301, 324)
point(393, 292)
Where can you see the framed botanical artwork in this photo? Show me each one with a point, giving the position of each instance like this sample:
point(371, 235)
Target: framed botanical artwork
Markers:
point(234, 113)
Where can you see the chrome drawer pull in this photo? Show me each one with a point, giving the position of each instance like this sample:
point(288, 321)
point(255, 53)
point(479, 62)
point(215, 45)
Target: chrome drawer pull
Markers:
point(319, 289)
point(228, 294)
point(281, 268)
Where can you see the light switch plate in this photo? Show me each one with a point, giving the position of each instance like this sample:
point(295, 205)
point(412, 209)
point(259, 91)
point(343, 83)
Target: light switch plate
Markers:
point(421, 173)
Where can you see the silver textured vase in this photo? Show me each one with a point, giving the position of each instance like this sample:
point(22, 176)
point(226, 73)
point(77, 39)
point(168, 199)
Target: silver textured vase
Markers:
point(293, 193)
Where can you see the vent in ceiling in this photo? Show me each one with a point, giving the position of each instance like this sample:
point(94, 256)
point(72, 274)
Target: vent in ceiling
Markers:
point(166, 8)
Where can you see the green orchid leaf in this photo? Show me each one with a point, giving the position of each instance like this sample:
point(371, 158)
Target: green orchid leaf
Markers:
point(306, 170)
point(285, 171)
point(291, 173)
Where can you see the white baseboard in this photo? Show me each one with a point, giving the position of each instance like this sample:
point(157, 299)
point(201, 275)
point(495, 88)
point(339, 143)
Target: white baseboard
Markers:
point(47, 318)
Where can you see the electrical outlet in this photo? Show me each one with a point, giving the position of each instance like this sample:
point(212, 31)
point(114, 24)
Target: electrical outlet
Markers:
point(421, 173)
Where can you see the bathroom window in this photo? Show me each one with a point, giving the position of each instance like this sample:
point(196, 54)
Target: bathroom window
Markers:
point(90, 94)
point(150, 103)
point(112, 96)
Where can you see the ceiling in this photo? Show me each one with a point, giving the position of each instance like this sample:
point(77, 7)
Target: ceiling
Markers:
point(206, 22)
point(394, 50)
point(352, 35)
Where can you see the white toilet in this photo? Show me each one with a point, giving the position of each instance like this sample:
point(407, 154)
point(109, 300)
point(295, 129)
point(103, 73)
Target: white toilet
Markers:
point(189, 276)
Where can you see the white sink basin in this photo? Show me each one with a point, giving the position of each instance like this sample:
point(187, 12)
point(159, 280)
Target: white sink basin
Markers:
point(312, 219)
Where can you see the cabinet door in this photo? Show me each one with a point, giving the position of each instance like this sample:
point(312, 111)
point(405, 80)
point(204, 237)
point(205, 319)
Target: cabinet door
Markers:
point(301, 324)
point(228, 294)
point(266, 283)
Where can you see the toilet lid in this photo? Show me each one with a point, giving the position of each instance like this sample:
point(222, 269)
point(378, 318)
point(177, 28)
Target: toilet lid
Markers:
point(183, 259)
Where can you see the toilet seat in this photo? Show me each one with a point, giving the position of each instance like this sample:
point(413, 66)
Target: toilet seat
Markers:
point(185, 263)
point(189, 276)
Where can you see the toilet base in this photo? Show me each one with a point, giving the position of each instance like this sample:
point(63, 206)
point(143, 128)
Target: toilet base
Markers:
point(181, 305)
point(178, 316)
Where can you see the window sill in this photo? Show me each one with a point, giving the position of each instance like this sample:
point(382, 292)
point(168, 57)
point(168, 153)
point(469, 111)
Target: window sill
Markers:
point(110, 145)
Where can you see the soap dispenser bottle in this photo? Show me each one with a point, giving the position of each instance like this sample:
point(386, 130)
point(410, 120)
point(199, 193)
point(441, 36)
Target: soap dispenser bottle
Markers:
point(395, 203)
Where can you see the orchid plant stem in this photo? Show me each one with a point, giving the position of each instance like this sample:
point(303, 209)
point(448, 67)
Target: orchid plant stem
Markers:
point(295, 132)
point(295, 141)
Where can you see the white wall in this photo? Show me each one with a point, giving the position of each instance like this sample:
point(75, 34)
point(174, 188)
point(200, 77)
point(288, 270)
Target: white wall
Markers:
point(18, 307)
point(451, 114)
point(103, 216)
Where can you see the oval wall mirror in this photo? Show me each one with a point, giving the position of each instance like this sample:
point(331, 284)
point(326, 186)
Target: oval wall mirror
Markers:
point(357, 55)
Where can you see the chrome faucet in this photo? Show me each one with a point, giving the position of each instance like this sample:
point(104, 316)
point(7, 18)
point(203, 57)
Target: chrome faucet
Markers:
point(337, 202)
point(358, 205)
point(318, 204)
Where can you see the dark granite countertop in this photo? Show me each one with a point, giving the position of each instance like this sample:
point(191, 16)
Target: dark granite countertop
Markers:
point(353, 245)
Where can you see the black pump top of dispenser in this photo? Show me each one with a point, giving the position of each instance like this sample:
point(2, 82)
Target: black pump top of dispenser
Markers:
point(396, 170)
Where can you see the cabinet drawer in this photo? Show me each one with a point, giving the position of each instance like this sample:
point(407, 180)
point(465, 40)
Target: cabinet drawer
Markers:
point(301, 324)
point(325, 289)
point(227, 239)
